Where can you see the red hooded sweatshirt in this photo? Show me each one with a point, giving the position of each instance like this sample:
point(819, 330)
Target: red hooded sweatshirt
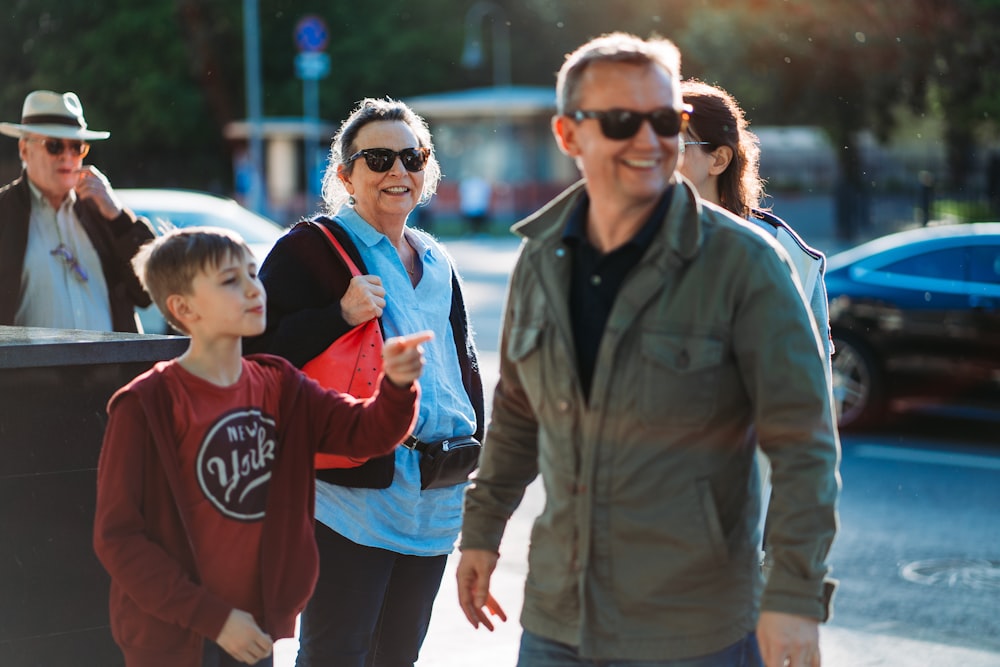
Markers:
point(160, 612)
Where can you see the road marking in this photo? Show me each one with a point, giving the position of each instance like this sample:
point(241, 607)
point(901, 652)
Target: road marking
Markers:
point(924, 456)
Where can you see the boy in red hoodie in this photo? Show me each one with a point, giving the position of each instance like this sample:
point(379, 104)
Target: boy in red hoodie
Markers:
point(205, 481)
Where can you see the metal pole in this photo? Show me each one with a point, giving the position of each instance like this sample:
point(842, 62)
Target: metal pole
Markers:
point(501, 49)
point(310, 107)
point(501, 39)
point(251, 55)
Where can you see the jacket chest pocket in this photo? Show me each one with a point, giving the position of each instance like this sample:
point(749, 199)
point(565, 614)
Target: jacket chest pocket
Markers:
point(679, 380)
point(524, 351)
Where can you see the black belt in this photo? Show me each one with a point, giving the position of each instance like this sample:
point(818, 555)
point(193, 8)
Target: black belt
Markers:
point(412, 443)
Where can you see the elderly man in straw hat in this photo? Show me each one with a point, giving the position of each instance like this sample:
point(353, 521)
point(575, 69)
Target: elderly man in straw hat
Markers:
point(65, 239)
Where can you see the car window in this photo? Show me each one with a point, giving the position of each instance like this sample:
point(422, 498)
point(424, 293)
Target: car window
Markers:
point(946, 264)
point(985, 264)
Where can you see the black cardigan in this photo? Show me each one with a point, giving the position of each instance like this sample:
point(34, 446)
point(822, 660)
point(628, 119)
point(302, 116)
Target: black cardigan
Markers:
point(304, 288)
point(115, 241)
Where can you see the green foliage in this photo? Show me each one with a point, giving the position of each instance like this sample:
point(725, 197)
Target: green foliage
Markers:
point(165, 76)
point(957, 210)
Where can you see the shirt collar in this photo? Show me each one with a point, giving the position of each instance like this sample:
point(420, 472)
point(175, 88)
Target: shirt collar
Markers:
point(38, 198)
point(370, 236)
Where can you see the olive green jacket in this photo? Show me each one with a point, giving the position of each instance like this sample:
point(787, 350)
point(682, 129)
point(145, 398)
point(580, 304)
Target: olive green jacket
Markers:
point(648, 546)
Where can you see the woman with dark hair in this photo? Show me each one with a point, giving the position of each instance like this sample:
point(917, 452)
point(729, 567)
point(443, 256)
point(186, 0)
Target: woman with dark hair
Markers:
point(383, 539)
point(722, 159)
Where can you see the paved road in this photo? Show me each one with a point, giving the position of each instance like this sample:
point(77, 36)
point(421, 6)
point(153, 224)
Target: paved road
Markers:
point(859, 639)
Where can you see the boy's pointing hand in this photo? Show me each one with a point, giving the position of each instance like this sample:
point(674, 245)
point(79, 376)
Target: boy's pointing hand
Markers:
point(403, 357)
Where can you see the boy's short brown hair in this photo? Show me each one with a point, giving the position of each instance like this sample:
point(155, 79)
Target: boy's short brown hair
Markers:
point(168, 264)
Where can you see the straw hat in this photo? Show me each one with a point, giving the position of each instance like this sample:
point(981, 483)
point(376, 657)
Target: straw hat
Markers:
point(52, 115)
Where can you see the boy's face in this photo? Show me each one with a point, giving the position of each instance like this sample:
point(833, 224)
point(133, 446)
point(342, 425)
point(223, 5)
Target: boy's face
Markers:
point(227, 299)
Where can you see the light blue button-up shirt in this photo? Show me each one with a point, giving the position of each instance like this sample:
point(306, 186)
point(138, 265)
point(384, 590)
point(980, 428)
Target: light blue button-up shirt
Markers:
point(54, 293)
point(402, 518)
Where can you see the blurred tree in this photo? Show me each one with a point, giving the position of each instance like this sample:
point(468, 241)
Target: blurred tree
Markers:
point(130, 66)
point(962, 76)
point(848, 66)
point(166, 75)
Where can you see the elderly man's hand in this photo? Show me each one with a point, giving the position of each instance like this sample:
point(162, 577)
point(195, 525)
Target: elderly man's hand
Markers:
point(94, 185)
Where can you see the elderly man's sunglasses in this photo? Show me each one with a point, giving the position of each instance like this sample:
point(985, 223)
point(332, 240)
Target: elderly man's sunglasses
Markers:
point(72, 263)
point(58, 146)
point(382, 159)
point(619, 124)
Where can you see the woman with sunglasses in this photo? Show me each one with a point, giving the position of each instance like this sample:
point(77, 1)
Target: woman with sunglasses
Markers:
point(383, 541)
point(721, 158)
point(65, 239)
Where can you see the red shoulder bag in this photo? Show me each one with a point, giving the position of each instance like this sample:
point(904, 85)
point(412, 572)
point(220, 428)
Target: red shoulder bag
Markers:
point(351, 364)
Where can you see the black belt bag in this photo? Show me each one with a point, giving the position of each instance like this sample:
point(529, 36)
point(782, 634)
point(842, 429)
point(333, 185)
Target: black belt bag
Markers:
point(446, 462)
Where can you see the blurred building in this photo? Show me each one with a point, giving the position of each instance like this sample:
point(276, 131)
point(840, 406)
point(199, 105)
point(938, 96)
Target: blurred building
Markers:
point(284, 170)
point(502, 135)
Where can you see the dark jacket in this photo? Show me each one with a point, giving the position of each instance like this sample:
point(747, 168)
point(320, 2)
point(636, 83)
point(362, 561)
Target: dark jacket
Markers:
point(116, 242)
point(160, 614)
point(305, 281)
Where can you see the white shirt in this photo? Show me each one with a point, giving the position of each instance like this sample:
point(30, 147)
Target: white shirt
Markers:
point(53, 294)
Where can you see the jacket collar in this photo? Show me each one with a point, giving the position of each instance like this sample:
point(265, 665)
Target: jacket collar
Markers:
point(681, 234)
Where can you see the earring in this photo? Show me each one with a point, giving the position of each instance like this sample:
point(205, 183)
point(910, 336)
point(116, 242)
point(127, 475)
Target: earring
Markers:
point(351, 200)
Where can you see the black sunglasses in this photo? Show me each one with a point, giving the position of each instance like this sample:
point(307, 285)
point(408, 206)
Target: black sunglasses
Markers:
point(619, 124)
point(72, 263)
point(382, 159)
point(57, 146)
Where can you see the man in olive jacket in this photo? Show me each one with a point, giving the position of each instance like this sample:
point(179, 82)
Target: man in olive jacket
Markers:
point(647, 335)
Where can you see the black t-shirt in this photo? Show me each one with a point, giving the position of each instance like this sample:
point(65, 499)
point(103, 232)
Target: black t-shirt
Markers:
point(596, 279)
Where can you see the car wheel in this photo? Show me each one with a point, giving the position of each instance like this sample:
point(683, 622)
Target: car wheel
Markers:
point(858, 383)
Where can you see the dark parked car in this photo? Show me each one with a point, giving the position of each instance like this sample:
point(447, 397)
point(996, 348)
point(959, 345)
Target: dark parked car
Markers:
point(916, 314)
point(187, 208)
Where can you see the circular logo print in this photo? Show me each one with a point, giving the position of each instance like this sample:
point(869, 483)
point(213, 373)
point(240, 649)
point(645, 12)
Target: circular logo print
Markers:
point(234, 464)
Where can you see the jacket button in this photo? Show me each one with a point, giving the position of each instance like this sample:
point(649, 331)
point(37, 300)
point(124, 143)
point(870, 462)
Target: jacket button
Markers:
point(683, 359)
point(563, 406)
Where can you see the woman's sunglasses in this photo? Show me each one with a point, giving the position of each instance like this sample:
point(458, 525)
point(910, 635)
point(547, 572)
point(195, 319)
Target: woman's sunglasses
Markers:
point(57, 146)
point(619, 124)
point(382, 159)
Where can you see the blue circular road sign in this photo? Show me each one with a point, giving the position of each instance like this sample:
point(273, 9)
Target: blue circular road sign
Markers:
point(311, 34)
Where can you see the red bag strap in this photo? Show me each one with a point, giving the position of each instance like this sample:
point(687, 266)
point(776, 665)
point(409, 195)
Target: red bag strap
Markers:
point(339, 249)
point(351, 266)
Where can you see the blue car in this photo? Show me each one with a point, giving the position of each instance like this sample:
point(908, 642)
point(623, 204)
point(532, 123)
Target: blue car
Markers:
point(916, 314)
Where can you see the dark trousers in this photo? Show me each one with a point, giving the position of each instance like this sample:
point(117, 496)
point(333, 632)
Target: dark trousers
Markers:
point(216, 656)
point(371, 607)
point(541, 652)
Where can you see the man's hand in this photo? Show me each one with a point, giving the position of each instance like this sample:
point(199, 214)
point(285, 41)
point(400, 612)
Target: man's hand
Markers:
point(403, 357)
point(474, 570)
point(786, 639)
point(242, 639)
point(364, 300)
point(94, 185)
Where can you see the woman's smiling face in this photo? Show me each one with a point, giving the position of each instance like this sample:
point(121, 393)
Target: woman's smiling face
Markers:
point(389, 195)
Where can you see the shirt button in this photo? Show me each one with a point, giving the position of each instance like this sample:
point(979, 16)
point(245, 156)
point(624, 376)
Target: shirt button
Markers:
point(595, 280)
point(563, 406)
